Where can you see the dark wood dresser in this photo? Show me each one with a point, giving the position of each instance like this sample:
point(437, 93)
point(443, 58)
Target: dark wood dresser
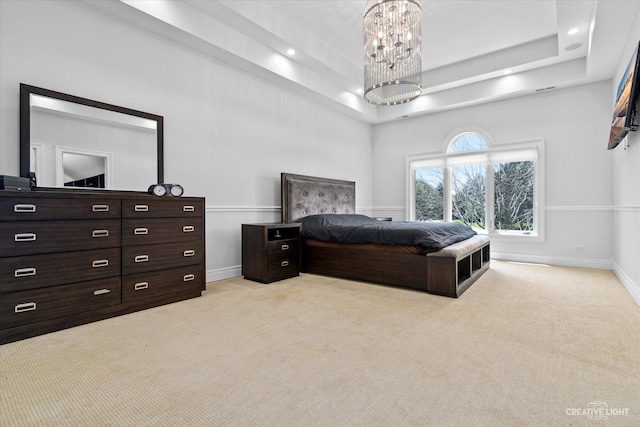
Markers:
point(69, 258)
point(270, 252)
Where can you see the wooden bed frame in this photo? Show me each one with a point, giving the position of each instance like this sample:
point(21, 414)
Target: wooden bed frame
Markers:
point(448, 272)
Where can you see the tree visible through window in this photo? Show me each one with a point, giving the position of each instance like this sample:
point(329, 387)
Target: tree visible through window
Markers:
point(430, 194)
point(513, 200)
point(468, 195)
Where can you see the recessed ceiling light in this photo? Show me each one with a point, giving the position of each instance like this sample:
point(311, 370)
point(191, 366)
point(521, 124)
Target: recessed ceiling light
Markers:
point(572, 31)
point(291, 52)
point(573, 46)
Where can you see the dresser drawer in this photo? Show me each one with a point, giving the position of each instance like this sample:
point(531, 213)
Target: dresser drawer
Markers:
point(149, 285)
point(280, 247)
point(160, 230)
point(21, 308)
point(161, 208)
point(39, 271)
point(35, 208)
point(138, 259)
point(34, 237)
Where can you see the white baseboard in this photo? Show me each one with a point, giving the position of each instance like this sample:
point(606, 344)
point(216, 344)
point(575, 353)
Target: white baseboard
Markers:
point(224, 273)
point(603, 264)
point(632, 288)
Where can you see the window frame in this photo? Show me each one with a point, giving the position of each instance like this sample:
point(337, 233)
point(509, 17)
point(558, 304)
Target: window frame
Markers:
point(533, 149)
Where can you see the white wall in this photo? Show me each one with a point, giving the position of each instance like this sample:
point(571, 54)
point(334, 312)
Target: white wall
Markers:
point(228, 135)
point(626, 190)
point(574, 123)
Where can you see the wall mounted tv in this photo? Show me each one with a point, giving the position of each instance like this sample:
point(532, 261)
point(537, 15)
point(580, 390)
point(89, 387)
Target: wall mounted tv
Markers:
point(625, 110)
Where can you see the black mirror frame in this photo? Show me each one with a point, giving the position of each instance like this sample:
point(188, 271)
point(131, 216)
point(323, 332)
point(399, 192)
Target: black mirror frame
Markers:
point(25, 123)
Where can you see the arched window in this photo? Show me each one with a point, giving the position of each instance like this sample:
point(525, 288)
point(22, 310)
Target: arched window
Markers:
point(467, 141)
point(495, 189)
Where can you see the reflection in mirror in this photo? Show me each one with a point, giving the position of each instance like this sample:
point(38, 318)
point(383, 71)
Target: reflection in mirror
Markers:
point(82, 170)
point(78, 143)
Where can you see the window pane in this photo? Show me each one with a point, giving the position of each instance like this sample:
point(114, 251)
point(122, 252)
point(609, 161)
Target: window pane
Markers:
point(429, 194)
point(513, 196)
point(468, 195)
point(467, 142)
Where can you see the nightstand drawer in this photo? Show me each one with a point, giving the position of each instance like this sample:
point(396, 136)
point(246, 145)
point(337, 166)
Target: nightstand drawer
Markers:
point(160, 230)
point(149, 285)
point(283, 266)
point(21, 308)
point(138, 259)
point(34, 237)
point(39, 271)
point(280, 247)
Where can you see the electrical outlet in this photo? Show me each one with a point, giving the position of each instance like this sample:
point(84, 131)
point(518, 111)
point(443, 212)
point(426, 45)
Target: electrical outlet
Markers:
point(578, 248)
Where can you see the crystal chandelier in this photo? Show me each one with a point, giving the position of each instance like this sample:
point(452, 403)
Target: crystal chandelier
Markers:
point(392, 51)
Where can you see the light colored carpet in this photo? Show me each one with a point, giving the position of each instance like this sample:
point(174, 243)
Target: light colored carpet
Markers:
point(526, 345)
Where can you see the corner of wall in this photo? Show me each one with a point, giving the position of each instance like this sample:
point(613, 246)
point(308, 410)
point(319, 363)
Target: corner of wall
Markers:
point(630, 286)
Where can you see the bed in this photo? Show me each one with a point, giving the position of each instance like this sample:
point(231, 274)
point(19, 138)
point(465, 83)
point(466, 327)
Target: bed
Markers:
point(448, 271)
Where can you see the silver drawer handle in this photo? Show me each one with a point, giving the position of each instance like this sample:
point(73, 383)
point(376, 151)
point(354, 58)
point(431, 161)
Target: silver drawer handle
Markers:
point(22, 207)
point(140, 231)
point(25, 237)
point(24, 272)
point(101, 291)
point(188, 208)
point(100, 208)
point(285, 247)
point(284, 263)
point(100, 263)
point(190, 252)
point(141, 258)
point(27, 306)
point(188, 277)
point(188, 228)
point(100, 233)
point(141, 208)
point(140, 286)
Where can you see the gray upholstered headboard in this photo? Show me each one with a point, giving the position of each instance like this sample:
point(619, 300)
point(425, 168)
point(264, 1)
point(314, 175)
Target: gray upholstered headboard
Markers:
point(308, 195)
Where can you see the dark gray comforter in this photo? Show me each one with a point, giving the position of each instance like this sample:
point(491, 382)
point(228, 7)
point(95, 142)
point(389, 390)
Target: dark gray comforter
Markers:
point(425, 236)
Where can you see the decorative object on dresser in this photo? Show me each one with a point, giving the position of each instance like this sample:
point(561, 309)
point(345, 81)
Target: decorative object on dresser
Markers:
point(166, 190)
point(270, 252)
point(449, 271)
point(14, 183)
point(68, 258)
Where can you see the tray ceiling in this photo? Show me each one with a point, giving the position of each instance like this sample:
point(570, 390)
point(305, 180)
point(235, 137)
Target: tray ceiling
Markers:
point(473, 51)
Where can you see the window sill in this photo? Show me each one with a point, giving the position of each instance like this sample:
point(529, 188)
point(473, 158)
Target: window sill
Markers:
point(514, 236)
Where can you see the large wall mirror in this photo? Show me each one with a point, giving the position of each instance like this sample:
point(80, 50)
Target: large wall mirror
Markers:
point(72, 142)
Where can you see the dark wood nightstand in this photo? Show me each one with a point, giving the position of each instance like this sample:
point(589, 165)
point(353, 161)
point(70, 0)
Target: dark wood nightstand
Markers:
point(270, 252)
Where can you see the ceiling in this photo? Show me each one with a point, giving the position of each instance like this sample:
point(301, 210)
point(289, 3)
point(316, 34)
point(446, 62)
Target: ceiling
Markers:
point(473, 51)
